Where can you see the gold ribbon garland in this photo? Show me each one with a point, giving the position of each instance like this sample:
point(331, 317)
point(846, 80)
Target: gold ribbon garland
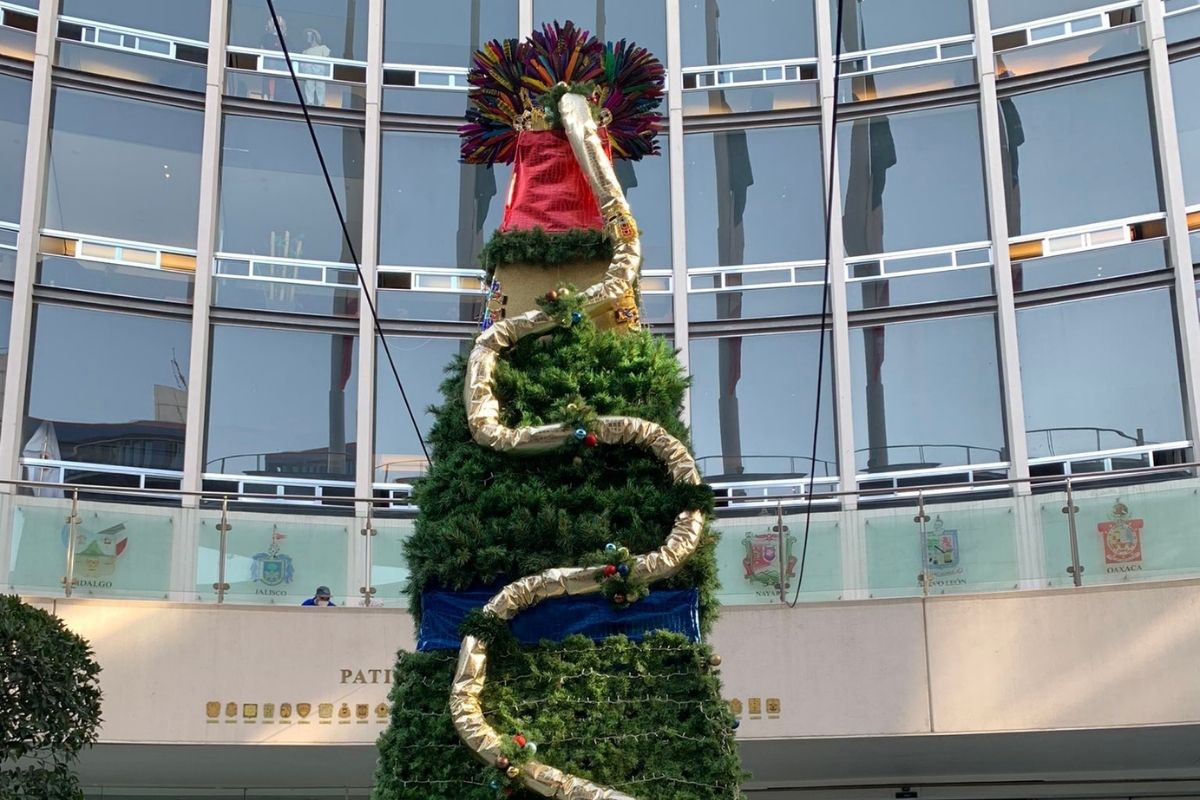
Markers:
point(483, 417)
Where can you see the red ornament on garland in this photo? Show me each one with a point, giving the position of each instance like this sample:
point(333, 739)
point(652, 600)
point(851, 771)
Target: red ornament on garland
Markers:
point(520, 740)
point(610, 570)
point(590, 440)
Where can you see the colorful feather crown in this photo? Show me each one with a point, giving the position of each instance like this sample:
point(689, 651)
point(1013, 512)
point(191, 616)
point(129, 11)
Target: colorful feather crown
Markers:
point(516, 85)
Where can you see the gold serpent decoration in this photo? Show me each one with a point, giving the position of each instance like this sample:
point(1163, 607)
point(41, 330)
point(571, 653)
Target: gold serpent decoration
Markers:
point(483, 417)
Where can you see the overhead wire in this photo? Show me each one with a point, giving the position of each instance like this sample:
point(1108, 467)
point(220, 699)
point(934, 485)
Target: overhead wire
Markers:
point(366, 290)
point(812, 460)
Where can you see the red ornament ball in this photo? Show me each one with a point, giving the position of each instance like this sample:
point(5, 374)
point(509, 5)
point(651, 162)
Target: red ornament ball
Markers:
point(610, 570)
point(590, 440)
point(520, 740)
point(551, 295)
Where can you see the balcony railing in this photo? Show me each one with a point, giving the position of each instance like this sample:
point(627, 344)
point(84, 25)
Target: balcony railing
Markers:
point(913, 540)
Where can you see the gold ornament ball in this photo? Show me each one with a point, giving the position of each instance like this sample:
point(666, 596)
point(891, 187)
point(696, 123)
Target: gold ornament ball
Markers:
point(564, 292)
point(512, 772)
point(577, 461)
point(714, 660)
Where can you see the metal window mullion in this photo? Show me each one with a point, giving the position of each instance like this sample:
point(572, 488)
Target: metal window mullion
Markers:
point(679, 265)
point(364, 466)
point(37, 150)
point(206, 237)
point(853, 537)
point(1029, 547)
point(1167, 141)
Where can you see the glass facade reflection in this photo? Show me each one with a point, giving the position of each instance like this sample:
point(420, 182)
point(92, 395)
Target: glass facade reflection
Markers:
point(733, 234)
point(107, 389)
point(125, 169)
point(272, 413)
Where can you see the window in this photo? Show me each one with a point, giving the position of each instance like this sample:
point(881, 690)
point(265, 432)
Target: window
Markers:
point(1077, 154)
point(1013, 12)
point(444, 33)
point(1100, 374)
point(14, 122)
point(1185, 75)
point(754, 196)
point(421, 362)
point(282, 403)
point(107, 388)
point(184, 18)
point(912, 180)
point(927, 394)
point(328, 28)
point(434, 211)
point(742, 31)
point(870, 24)
point(647, 186)
point(125, 169)
point(274, 200)
point(640, 21)
point(753, 403)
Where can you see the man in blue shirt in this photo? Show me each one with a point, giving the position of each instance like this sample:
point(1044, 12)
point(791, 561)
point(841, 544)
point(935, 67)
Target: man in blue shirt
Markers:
point(320, 598)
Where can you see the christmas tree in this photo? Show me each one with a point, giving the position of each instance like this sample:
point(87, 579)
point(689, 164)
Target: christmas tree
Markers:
point(563, 571)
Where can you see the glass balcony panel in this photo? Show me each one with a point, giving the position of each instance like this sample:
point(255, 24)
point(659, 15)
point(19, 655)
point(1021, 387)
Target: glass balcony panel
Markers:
point(751, 561)
point(915, 289)
point(781, 301)
point(121, 279)
point(16, 44)
point(284, 296)
point(734, 100)
point(1182, 27)
point(273, 559)
point(131, 66)
point(120, 551)
point(433, 102)
point(1091, 47)
point(896, 548)
point(429, 306)
point(1130, 533)
point(389, 568)
point(279, 88)
point(913, 80)
point(1149, 255)
point(657, 309)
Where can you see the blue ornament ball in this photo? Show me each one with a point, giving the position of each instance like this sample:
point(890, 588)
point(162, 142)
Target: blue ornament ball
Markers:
point(622, 570)
point(580, 433)
point(610, 548)
point(576, 316)
point(495, 784)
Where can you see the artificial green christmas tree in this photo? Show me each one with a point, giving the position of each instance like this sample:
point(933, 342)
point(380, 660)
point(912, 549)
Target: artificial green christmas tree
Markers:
point(562, 533)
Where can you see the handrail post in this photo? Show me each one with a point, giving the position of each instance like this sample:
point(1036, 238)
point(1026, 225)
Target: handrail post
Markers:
point(781, 554)
point(921, 518)
point(73, 521)
point(368, 531)
point(1075, 570)
point(223, 528)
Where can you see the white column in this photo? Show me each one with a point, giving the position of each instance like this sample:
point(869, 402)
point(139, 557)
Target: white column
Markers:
point(524, 18)
point(369, 259)
point(839, 329)
point(1006, 315)
point(853, 540)
point(679, 278)
point(32, 199)
point(364, 460)
point(206, 238)
point(1176, 207)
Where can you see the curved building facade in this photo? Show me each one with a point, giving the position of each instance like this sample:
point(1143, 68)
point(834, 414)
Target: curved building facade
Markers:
point(195, 383)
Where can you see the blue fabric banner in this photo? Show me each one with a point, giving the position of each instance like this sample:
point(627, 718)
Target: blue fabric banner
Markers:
point(593, 616)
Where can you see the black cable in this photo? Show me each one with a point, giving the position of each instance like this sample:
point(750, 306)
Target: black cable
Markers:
point(312, 131)
point(812, 461)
